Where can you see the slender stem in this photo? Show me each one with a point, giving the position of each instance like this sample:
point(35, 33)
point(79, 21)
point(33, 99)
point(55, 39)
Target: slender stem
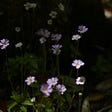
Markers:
point(6, 62)
point(77, 48)
point(70, 106)
point(105, 108)
point(70, 74)
point(77, 73)
point(80, 102)
point(57, 65)
point(45, 56)
point(22, 72)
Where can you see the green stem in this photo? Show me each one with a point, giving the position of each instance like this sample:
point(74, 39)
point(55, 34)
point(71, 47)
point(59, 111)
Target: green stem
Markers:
point(6, 62)
point(44, 56)
point(70, 74)
point(77, 72)
point(71, 103)
point(77, 48)
point(57, 65)
point(80, 102)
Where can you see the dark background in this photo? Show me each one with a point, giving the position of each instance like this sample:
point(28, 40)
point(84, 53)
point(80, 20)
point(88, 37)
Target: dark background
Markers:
point(82, 12)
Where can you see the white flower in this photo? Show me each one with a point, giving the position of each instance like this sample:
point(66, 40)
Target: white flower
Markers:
point(49, 22)
point(107, 13)
point(32, 99)
point(30, 80)
point(17, 29)
point(33, 5)
point(42, 40)
point(18, 44)
point(61, 7)
point(77, 63)
point(29, 5)
point(80, 80)
point(53, 14)
point(76, 37)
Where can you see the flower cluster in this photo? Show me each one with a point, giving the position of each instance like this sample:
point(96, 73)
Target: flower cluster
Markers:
point(42, 23)
point(44, 34)
point(56, 49)
point(77, 63)
point(29, 5)
point(52, 88)
point(81, 29)
point(52, 83)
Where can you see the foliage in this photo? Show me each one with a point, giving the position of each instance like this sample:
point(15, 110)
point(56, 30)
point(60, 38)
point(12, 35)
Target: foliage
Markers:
point(34, 59)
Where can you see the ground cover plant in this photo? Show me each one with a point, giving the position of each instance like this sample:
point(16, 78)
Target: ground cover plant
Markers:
point(42, 62)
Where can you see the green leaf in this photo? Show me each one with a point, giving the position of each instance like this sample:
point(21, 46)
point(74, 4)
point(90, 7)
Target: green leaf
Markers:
point(49, 110)
point(23, 109)
point(27, 102)
point(12, 105)
point(17, 97)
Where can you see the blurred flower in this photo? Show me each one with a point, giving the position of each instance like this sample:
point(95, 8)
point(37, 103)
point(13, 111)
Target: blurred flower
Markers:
point(80, 80)
point(53, 14)
point(4, 43)
point(61, 7)
point(17, 29)
point(77, 63)
point(52, 81)
point(49, 22)
point(61, 88)
point(56, 37)
point(43, 32)
point(108, 13)
point(32, 99)
point(42, 40)
point(80, 93)
point(56, 49)
point(82, 29)
point(18, 44)
point(76, 37)
point(1, 13)
point(46, 89)
point(29, 5)
point(30, 80)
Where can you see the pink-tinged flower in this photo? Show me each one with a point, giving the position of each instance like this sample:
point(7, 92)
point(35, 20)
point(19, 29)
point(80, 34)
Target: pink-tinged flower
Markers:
point(43, 33)
point(29, 80)
point(52, 81)
point(56, 49)
point(80, 80)
point(77, 63)
point(61, 88)
point(76, 37)
point(56, 37)
point(4, 43)
point(46, 89)
point(82, 29)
